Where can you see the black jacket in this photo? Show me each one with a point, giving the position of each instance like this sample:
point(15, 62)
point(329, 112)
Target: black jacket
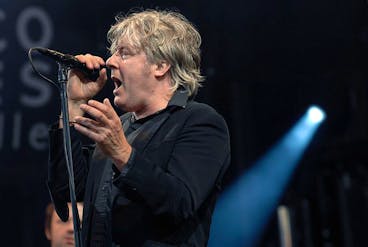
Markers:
point(166, 195)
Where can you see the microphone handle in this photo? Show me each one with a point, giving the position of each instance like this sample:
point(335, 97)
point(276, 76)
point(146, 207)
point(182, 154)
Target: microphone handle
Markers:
point(92, 74)
point(73, 63)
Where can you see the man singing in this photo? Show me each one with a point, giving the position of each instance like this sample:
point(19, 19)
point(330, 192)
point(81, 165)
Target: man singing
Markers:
point(153, 175)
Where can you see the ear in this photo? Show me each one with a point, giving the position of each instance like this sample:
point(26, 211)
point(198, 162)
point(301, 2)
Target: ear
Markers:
point(161, 68)
point(48, 234)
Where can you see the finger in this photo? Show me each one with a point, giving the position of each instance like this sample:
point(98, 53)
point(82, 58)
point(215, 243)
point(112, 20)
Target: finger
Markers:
point(100, 60)
point(87, 122)
point(87, 132)
point(81, 58)
point(97, 114)
point(116, 123)
point(89, 61)
point(102, 79)
point(112, 113)
point(109, 107)
point(103, 75)
point(96, 61)
point(106, 102)
point(104, 107)
point(85, 59)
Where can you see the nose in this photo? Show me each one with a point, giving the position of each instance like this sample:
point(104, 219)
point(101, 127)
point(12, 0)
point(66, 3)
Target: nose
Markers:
point(111, 62)
point(70, 227)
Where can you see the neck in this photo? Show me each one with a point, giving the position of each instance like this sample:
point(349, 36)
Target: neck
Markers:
point(149, 111)
point(152, 106)
point(157, 100)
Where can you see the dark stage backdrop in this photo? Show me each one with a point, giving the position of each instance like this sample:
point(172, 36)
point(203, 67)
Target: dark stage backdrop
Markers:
point(265, 62)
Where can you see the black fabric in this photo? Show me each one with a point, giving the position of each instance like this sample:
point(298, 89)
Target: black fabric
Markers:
point(167, 195)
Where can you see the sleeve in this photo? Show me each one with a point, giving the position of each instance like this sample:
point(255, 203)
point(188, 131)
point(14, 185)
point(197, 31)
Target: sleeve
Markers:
point(201, 152)
point(57, 180)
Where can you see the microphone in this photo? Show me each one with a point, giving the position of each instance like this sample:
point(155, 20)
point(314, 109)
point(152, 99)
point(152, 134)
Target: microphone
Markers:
point(71, 62)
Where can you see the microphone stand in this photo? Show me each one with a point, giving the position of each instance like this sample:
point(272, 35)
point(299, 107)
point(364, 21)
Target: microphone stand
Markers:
point(62, 80)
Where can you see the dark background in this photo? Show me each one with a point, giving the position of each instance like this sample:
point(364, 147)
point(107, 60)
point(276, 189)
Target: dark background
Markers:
point(265, 61)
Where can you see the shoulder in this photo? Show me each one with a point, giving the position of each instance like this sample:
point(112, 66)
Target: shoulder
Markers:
point(194, 107)
point(202, 109)
point(201, 112)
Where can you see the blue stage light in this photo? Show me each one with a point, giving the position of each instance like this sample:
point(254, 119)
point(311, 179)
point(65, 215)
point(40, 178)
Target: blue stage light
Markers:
point(244, 209)
point(315, 114)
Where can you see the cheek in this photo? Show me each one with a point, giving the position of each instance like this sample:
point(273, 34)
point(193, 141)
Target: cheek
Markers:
point(55, 234)
point(56, 229)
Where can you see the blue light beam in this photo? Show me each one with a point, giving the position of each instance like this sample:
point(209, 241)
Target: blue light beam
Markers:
point(244, 209)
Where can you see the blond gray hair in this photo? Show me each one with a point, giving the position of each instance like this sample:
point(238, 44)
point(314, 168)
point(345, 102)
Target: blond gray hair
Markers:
point(163, 36)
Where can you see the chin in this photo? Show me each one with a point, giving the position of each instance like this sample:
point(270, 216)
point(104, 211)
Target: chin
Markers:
point(117, 102)
point(120, 105)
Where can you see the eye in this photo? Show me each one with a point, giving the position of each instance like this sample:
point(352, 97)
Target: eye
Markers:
point(124, 53)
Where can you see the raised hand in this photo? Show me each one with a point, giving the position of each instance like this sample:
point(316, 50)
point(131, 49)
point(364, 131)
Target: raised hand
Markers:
point(81, 88)
point(105, 129)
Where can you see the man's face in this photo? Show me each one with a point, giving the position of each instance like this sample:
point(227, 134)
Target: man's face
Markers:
point(133, 77)
point(61, 233)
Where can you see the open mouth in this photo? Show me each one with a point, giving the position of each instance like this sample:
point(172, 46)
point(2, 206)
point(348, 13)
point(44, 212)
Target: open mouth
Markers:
point(117, 82)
